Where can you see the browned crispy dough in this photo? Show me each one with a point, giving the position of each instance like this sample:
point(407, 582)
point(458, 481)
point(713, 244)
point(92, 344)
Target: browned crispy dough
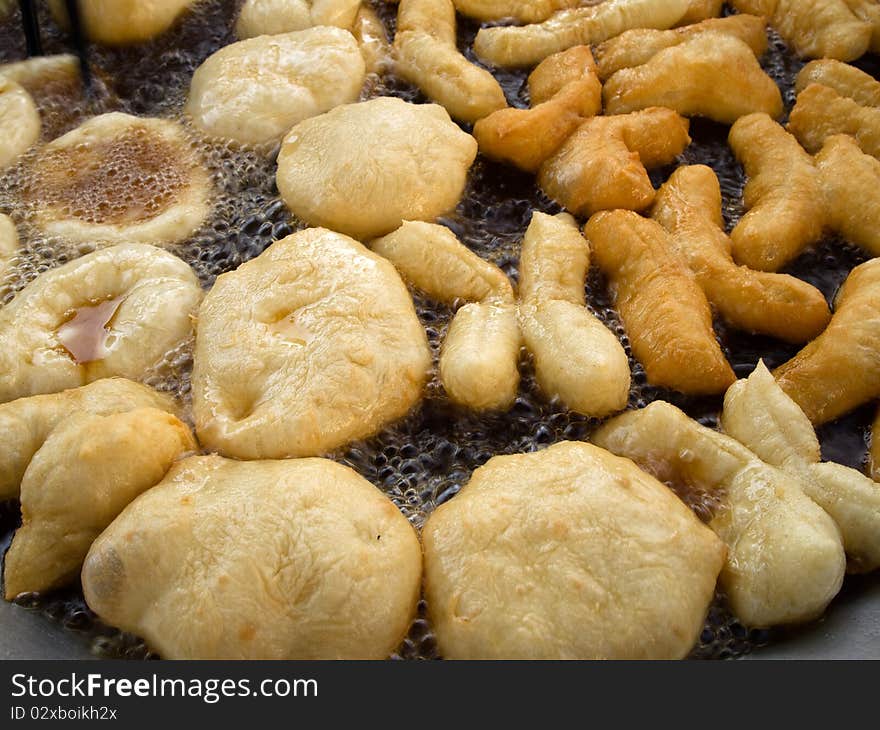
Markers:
point(840, 369)
point(602, 165)
point(701, 10)
point(666, 315)
point(688, 206)
point(564, 90)
point(821, 112)
point(869, 11)
point(846, 80)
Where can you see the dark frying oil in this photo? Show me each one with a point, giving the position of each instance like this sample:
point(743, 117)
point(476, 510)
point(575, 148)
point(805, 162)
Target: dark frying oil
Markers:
point(424, 460)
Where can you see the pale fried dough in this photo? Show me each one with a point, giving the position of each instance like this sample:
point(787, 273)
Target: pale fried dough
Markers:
point(821, 112)
point(846, 80)
point(19, 122)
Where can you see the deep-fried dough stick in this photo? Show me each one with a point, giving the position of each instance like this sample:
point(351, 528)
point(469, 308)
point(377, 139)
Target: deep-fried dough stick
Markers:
point(846, 80)
point(688, 206)
point(712, 75)
point(782, 195)
point(602, 165)
point(840, 369)
point(522, 11)
point(564, 89)
point(577, 358)
point(666, 315)
point(821, 112)
point(428, 57)
point(530, 44)
point(638, 46)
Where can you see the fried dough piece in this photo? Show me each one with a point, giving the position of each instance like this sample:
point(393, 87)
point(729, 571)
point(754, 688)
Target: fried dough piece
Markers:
point(820, 112)
point(363, 169)
point(814, 28)
point(270, 17)
point(785, 559)
point(27, 422)
point(369, 32)
point(254, 91)
point(295, 559)
point(310, 345)
point(840, 369)
point(666, 315)
point(846, 80)
point(577, 358)
point(758, 414)
point(638, 46)
point(522, 11)
point(564, 89)
point(567, 553)
point(530, 44)
point(19, 122)
point(602, 165)
point(851, 184)
point(8, 243)
point(783, 195)
point(88, 469)
point(700, 10)
point(123, 22)
point(478, 362)
point(712, 75)
point(688, 206)
point(116, 311)
point(869, 11)
point(427, 56)
point(874, 462)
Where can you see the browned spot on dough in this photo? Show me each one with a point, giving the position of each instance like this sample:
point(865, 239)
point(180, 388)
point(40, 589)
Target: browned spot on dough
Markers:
point(247, 632)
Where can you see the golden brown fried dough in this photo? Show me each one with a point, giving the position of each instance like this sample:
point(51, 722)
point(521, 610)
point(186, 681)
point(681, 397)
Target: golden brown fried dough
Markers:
point(19, 122)
point(758, 414)
point(567, 553)
point(564, 89)
point(820, 112)
point(785, 559)
point(700, 10)
point(522, 11)
point(602, 165)
point(869, 11)
point(783, 196)
point(840, 369)
point(638, 46)
point(123, 22)
point(851, 184)
point(688, 206)
point(846, 80)
point(712, 75)
point(814, 28)
point(577, 358)
point(530, 44)
point(427, 56)
point(666, 315)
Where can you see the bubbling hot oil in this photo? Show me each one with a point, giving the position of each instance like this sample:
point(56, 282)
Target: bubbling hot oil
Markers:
point(424, 460)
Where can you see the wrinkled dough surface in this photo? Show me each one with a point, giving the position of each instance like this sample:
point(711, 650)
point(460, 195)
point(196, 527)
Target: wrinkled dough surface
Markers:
point(785, 559)
point(821, 112)
point(712, 75)
point(868, 11)
point(271, 17)
point(154, 297)
point(255, 90)
point(120, 179)
point(362, 169)
point(567, 553)
point(123, 22)
point(19, 122)
point(87, 470)
point(310, 345)
point(297, 559)
point(664, 311)
point(846, 80)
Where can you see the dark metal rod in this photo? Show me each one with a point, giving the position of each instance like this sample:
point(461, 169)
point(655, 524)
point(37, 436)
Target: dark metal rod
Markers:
point(79, 40)
point(31, 27)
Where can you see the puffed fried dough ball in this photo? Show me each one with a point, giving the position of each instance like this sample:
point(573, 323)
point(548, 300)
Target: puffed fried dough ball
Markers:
point(19, 122)
point(270, 17)
point(296, 559)
point(759, 414)
point(688, 206)
point(783, 195)
point(564, 89)
point(602, 165)
point(116, 311)
point(310, 345)
point(362, 169)
point(88, 469)
point(846, 80)
point(821, 112)
point(840, 369)
point(530, 44)
point(712, 75)
point(638, 46)
point(254, 91)
point(567, 553)
point(426, 55)
point(27, 422)
point(814, 28)
point(120, 179)
point(577, 358)
point(785, 559)
point(666, 315)
point(123, 22)
point(8, 242)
